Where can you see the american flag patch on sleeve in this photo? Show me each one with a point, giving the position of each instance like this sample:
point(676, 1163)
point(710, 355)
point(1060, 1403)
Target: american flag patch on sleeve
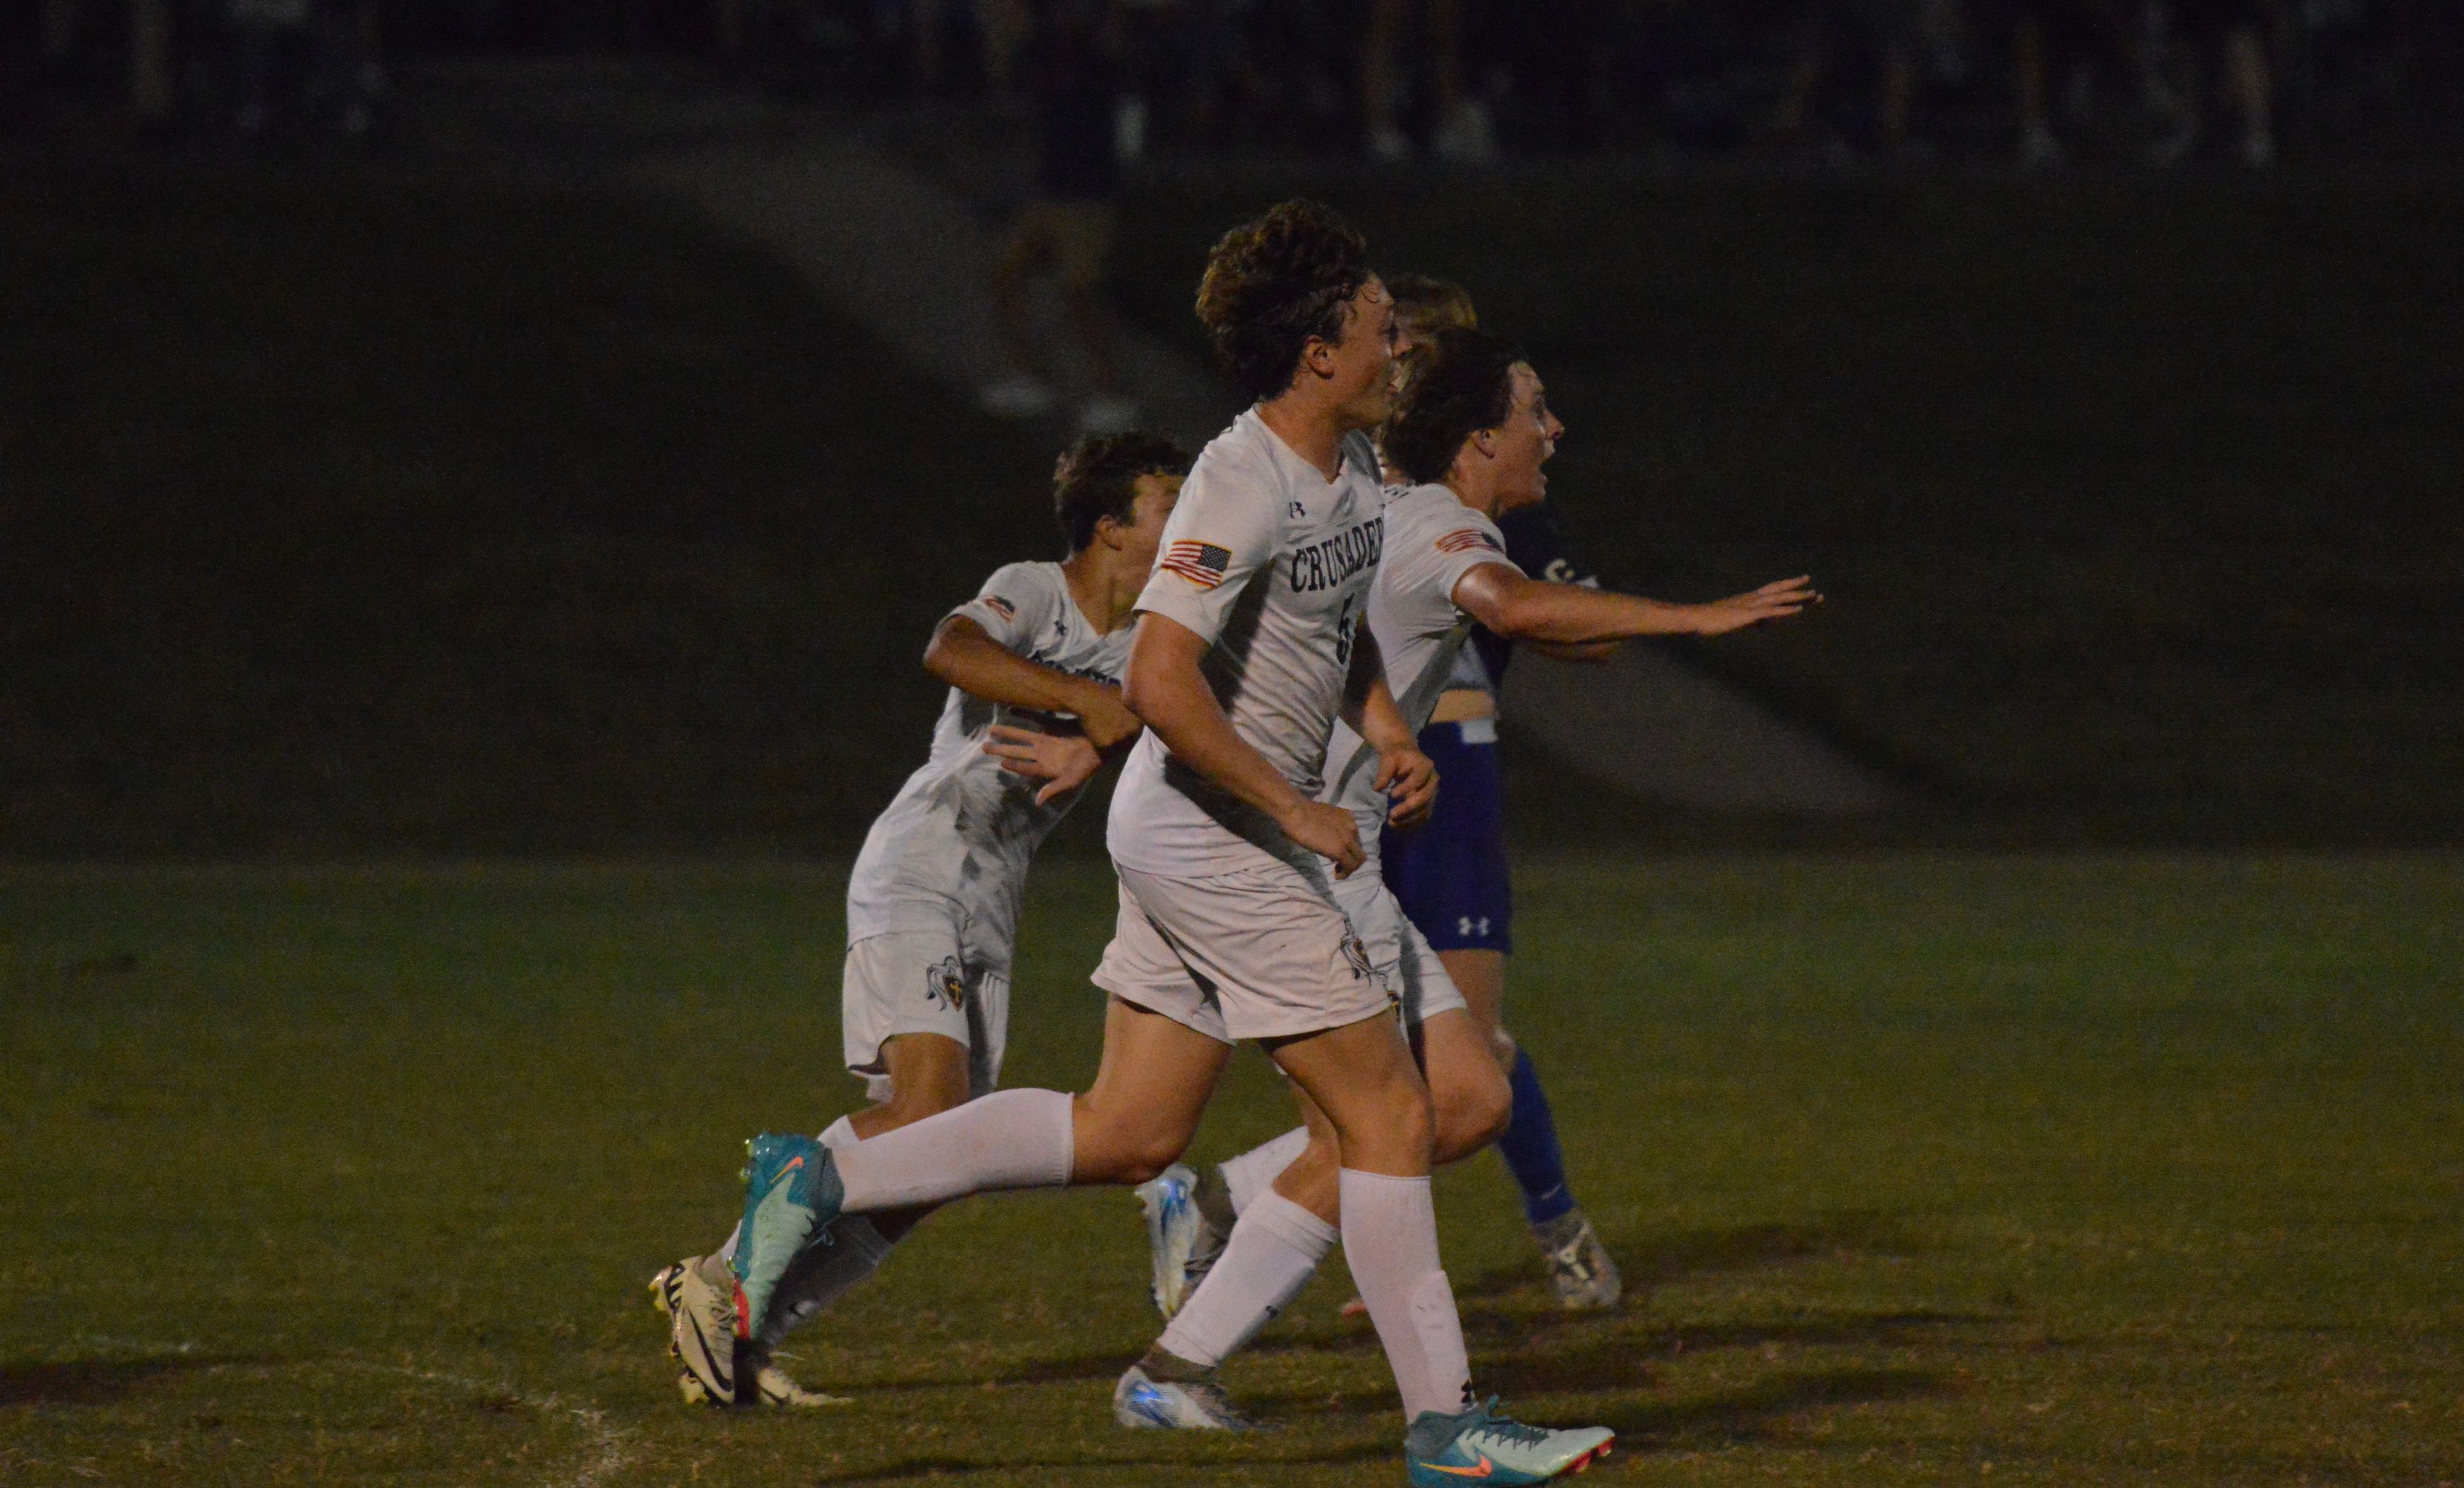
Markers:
point(999, 606)
point(1467, 539)
point(1202, 563)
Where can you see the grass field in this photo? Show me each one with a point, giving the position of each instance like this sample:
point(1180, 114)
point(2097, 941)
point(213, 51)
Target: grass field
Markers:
point(2068, 1171)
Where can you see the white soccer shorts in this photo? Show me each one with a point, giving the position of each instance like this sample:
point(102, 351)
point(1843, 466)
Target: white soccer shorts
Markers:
point(918, 980)
point(1256, 953)
point(1399, 957)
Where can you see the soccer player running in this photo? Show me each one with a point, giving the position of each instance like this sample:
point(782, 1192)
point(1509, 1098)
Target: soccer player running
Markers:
point(1034, 663)
point(1472, 433)
point(1453, 880)
point(1450, 878)
point(1247, 647)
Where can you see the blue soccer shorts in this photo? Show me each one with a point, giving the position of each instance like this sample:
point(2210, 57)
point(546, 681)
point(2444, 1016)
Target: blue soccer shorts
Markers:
point(1449, 873)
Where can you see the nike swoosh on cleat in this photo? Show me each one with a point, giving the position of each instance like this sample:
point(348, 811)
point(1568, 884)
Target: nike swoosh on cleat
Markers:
point(707, 1352)
point(1483, 1470)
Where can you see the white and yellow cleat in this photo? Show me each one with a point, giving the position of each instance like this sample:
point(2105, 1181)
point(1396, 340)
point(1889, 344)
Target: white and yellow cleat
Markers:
point(772, 1385)
point(702, 1304)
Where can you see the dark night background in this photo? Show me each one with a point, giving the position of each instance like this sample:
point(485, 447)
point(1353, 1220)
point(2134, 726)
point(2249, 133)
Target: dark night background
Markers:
point(425, 485)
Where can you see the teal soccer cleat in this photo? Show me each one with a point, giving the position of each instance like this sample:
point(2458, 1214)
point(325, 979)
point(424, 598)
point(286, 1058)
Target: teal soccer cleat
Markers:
point(791, 1192)
point(1479, 1446)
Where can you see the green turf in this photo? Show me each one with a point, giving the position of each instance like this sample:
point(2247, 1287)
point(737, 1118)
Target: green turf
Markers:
point(2074, 1172)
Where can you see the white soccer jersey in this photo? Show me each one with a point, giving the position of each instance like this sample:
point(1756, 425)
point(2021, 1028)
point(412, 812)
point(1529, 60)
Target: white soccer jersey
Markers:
point(1271, 562)
point(1432, 541)
point(962, 830)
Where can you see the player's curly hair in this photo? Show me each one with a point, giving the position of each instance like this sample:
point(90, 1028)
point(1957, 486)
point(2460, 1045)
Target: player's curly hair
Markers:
point(1098, 477)
point(1432, 304)
point(1462, 381)
point(1274, 282)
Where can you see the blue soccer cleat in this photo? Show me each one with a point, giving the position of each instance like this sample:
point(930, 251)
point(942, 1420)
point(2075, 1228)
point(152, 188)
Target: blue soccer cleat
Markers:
point(1479, 1446)
point(1142, 1401)
point(1180, 1240)
point(791, 1194)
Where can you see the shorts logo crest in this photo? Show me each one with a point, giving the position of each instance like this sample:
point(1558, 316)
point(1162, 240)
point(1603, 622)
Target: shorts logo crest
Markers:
point(946, 985)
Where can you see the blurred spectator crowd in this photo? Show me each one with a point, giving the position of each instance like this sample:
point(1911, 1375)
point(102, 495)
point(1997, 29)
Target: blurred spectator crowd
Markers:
point(245, 66)
point(1468, 81)
point(1462, 81)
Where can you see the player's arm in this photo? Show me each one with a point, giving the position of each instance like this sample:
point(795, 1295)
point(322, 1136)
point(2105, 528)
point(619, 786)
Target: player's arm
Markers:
point(1530, 609)
point(967, 657)
point(1407, 777)
point(1536, 544)
point(1591, 653)
point(1168, 691)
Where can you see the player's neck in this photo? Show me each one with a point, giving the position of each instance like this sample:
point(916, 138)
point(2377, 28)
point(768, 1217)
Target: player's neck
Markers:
point(1309, 427)
point(1471, 494)
point(1102, 587)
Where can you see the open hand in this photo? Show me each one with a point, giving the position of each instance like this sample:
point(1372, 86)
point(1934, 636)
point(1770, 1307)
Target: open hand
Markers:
point(1410, 781)
point(1770, 601)
point(1064, 761)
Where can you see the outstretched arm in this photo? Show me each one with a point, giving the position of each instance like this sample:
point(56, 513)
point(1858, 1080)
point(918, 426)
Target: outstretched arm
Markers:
point(1169, 693)
point(965, 655)
point(1527, 609)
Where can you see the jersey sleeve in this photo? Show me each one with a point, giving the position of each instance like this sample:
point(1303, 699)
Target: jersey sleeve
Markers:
point(1223, 530)
point(1015, 604)
point(1457, 547)
point(1432, 541)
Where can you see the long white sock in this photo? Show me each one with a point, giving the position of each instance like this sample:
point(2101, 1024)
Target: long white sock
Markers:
point(1253, 1172)
point(1010, 1139)
point(838, 1136)
point(1274, 1252)
point(1390, 1240)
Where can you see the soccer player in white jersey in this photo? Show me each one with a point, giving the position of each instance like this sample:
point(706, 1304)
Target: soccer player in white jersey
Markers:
point(1034, 665)
point(1248, 646)
point(1472, 434)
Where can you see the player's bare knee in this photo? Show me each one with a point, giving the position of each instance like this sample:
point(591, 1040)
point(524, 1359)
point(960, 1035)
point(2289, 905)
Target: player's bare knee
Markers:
point(1472, 1116)
point(926, 1098)
point(1112, 1149)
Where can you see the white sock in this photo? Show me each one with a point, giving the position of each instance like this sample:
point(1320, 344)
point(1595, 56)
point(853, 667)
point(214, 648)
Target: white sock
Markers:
point(1274, 1252)
point(1254, 1171)
point(1010, 1139)
point(1390, 1240)
point(837, 1136)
